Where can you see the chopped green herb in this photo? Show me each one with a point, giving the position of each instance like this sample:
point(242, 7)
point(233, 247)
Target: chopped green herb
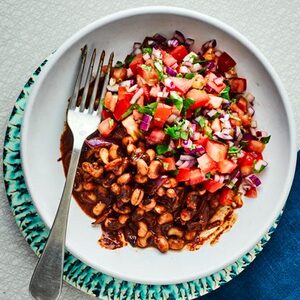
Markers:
point(187, 103)
point(175, 132)
point(146, 68)
point(129, 111)
point(147, 50)
point(148, 109)
point(209, 134)
point(225, 93)
point(197, 112)
point(265, 140)
point(111, 122)
point(234, 118)
point(208, 175)
point(201, 121)
point(202, 71)
point(174, 172)
point(162, 149)
point(179, 75)
point(176, 100)
point(199, 61)
point(243, 144)
point(216, 115)
point(189, 75)
point(129, 59)
point(233, 151)
point(184, 135)
point(118, 64)
point(165, 165)
point(258, 169)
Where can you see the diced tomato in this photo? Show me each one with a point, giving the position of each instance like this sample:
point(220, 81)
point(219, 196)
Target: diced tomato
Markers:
point(154, 91)
point(183, 175)
point(105, 114)
point(226, 196)
point(162, 113)
point(119, 74)
point(226, 166)
point(200, 97)
point(225, 62)
point(169, 163)
point(246, 120)
point(236, 109)
point(243, 104)
point(196, 176)
point(206, 164)
point(182, 84)
point(149, 75)
point(209, 54)
point(218, 88)
point(251, 193)
point(179, 53)
point(215, 101)
point(168, 59)
point(107, 126)
point(141, 83)
point(216, 151)
point(123, 103)
point(202, 141)
point(246, 164)
point(234, 122)
point(110, 101)
point(212, 185)
point(216, 125)
point(131, 127)
point(256, 146)
point(137, 60)
point(157, 136)
point(237, 84)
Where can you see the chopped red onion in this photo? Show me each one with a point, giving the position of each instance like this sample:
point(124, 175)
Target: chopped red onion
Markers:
point(145, 123)
point(179, 163)
point(196, 67)
point(223, 136)
point(211, 113)
point(127, 83)
point(133, 88)
point(129, 73)
point(253, 124)
point(251, 111)
point(218, 81)
point(187, 64)
point(173, 43)
point(261, 134)
point(209, 89)
point(172, 145)
point(247, 136)
point(249, 97)
point(146, 56)
point(210, 66)
point(169, 83)
point(137, 95)
point(179, 36)
point(171, 119)
point(189, 42)
point(171, 71)
point(253, 180)
point(208, 44)
point(113, 88)
point(156, 53)
point(154, 185)
point(253, 131)
point(184, 70)
point(196, 136)
point(186, 157)
point(162, 94)
point(98, 141)
point(260, 165)
point(187, 164)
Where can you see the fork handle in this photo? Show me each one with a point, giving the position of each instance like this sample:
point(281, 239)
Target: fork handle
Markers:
point(46, 281)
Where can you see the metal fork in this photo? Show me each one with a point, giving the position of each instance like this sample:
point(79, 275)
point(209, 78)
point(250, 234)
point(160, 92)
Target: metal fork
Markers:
point(46, 281)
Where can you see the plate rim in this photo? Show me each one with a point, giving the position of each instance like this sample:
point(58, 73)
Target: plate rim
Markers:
point(77, 273)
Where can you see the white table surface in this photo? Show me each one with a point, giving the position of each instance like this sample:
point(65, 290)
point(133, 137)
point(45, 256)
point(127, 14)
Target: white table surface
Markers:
point(30, 30)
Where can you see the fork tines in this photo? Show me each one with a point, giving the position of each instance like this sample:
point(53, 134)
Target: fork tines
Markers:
point(89, 76)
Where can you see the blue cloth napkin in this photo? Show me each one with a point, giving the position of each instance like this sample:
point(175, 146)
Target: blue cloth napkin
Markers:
point(275, 273)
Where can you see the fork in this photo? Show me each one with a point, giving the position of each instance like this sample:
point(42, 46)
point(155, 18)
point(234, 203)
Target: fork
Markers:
point(46, 281)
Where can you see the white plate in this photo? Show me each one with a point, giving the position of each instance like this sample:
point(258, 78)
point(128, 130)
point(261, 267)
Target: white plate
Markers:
point(45, 116)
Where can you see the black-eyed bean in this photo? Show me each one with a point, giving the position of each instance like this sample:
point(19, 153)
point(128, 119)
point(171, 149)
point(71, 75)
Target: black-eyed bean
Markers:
point(238, 201)
point(161, 192)
point(78, 188)
point(127, 140)
point(91, 196)
point(175, 231)
point(123, 210)
point(165, 218)
point(88, 186)
point(125, 193)
point(137, 196)
point(151, 154)
point(123, 219)
point(124, 178)
point(99, 208)
point(143, 229)
point(138, 214)
point(121, 169)
point(154, 169)
point(114, 164)
point(113, 151)
point(160, 209)
point(170, 193)
point(190, 235)
point(186, 215)
point(130, 148)
point(142, 167)
point(149, 206)
point(161, 243)
point(109, 180)
point(112, 224)
point(104, 154)
point(143, 242)
point(115, 188)
point(176, 244)
point(140, 179)
point(170, 183)
point(93, 169)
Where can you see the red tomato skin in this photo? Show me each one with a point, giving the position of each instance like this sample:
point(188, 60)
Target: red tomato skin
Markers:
point(157, 136)
point(212, 186)
point(216, 151)
point(137, 60)
point(256, 146)
point(206, 164)
point(251, 193)
point(168, 163)
point(107, 126)
point(183, 175)
point(225, 62)
point(226, 196)
point(179, 53)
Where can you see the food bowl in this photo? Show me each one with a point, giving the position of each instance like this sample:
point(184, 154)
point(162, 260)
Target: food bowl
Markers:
point(44, 122)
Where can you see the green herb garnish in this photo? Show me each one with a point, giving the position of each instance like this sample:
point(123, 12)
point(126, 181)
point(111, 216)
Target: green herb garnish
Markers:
point(119, 64)
point(147, 50)
point(129, 111)
point(208, 175)
point(176, 133)
point(187, 103)
point(189, 75)
point(225, 93)
point(266, 139)
point(179, 75)
point(233, 151)
point(148, 109)
point(146, 68)
point(162, 149)
point(201, 121)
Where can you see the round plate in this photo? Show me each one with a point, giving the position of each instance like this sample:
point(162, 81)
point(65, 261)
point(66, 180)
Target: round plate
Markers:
point(76, 272)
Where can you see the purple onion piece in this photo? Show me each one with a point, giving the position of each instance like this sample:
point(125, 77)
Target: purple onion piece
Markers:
point(171, 71)
point(159, 38)
point(186, 157)
point(211, 66)
point(187, 164)
point(136, 45)
point(179, 36)
point(208, 44)
point(173, 43)
point(189, 42)
point(154, 185)
point(145, 123)
point(248, 136)
point(253, 180)
point(97, 142)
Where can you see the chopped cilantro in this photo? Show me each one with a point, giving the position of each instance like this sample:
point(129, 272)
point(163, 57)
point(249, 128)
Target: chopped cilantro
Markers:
point(146, 68)
point(184, 135)
point(179, 75)
point(129, 111)
point(148, 109)
point(174, 172)
point(265, 140)
point(187, 103)
point(233, 151)
point(147, 50)
point(165, 165)
point(118, 64)
point(225, 93)
point(111, 122)
point(189, 75)
point(129, 59)
point(202, 121)
point(174, 132)
point(197, 112)
point(199, 61)
point(243, 143)
point(162, 149)
point(208, 175)
point(176, 100)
